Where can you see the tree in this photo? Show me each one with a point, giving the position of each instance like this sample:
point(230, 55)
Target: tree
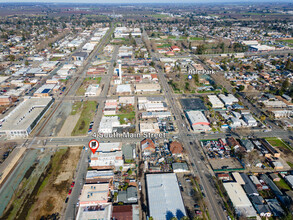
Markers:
point(263, 118)
point(285, 85)
point(200, 49)
point(241, 88)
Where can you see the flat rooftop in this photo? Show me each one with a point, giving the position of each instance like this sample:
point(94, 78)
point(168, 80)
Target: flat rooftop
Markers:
point(25, 113)
point(164, 197)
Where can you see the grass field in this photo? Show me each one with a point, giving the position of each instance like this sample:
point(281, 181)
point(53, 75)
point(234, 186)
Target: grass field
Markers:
point(87, 114)
point(159, 16)
point(277, 142)
point(164, 45)
point(195, 38)
point(282, 185)
point(76, 107)
point(129, 116)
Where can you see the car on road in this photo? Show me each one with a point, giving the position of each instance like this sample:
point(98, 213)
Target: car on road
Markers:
point(190, 143)
point(66, 200)
point(72, 184)
point(69, 193)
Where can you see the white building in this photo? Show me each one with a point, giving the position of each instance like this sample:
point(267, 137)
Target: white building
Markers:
point(239, 199)
point(123, 89)
point(21, 121)
point(228, 99)
point(198, 121)
point(147, 88)
point(147, 127)
point(92, 90)
point(107, 160)
point(215, 101)
point(250, 120)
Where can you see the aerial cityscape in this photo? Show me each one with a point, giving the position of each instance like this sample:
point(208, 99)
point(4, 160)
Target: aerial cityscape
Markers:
point(146, 110)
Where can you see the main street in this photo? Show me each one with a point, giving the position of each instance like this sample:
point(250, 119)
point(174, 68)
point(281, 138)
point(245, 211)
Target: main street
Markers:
point(214, 209)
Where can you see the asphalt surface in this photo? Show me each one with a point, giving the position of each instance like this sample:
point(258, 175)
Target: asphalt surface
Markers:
point(215, 210)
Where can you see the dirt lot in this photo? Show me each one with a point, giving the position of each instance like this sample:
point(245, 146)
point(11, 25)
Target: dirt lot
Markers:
point(54, 188)
point(69, 125)
point(231, 162)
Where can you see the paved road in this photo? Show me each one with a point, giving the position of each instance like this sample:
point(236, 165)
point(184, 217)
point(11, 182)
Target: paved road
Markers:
point(83, 163)
point(200, 169)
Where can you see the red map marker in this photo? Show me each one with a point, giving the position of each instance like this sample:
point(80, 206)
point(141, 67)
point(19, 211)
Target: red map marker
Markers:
point(94, 145)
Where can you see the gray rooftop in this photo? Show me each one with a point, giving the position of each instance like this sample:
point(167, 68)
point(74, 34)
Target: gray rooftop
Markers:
point(164, 197)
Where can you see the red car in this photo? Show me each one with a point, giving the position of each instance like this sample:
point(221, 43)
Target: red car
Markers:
point(72, 184)
point(69, 191)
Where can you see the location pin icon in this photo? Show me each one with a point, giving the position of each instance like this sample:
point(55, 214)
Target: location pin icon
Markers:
point(94, 145)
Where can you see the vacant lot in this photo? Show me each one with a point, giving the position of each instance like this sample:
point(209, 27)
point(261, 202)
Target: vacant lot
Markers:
point(231, 163)
point(87, 110)
point(54, 188)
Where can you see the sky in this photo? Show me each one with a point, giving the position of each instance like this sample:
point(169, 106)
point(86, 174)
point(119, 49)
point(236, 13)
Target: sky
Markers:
point(144, 1)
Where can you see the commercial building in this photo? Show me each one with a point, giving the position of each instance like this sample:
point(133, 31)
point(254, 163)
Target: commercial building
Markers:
point(228, 99)
point(123, 89)
point(107, 124)
point(126, 100)
point(239, 199)
point(106, 160)
point(44, 90)
point(147, 127)
point(5, 100)
point(147, 88)
point(99, 176)
point(21, 121)
point(92, 90)
point(215, 101)
point(79, 56)
point(164, 197)
point(198, 121)
point(101, 211)
point(94, 194)
point(180, 168)
point(145, 115)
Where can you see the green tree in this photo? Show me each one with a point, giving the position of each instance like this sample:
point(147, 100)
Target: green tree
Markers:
point(241, 88)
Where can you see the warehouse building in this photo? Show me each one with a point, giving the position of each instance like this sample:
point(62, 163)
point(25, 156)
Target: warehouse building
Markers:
point(21, 121)
point(147, 88)
point(164, 197)
point(239, 199)
point(228, 99)
point(215, 101)
point(198, 121)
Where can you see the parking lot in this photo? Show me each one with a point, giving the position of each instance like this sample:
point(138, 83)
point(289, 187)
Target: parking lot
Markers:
point(191, 197)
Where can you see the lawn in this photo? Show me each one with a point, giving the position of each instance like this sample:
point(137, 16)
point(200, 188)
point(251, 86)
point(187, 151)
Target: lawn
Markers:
point(290, 164)
point(282, 185)
point(276, 142)
point(290, 41)
point(76, 108)
point(195, 38)
point(164, 45)
point(87, 114)
point(129, 116)
point(159, 16)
